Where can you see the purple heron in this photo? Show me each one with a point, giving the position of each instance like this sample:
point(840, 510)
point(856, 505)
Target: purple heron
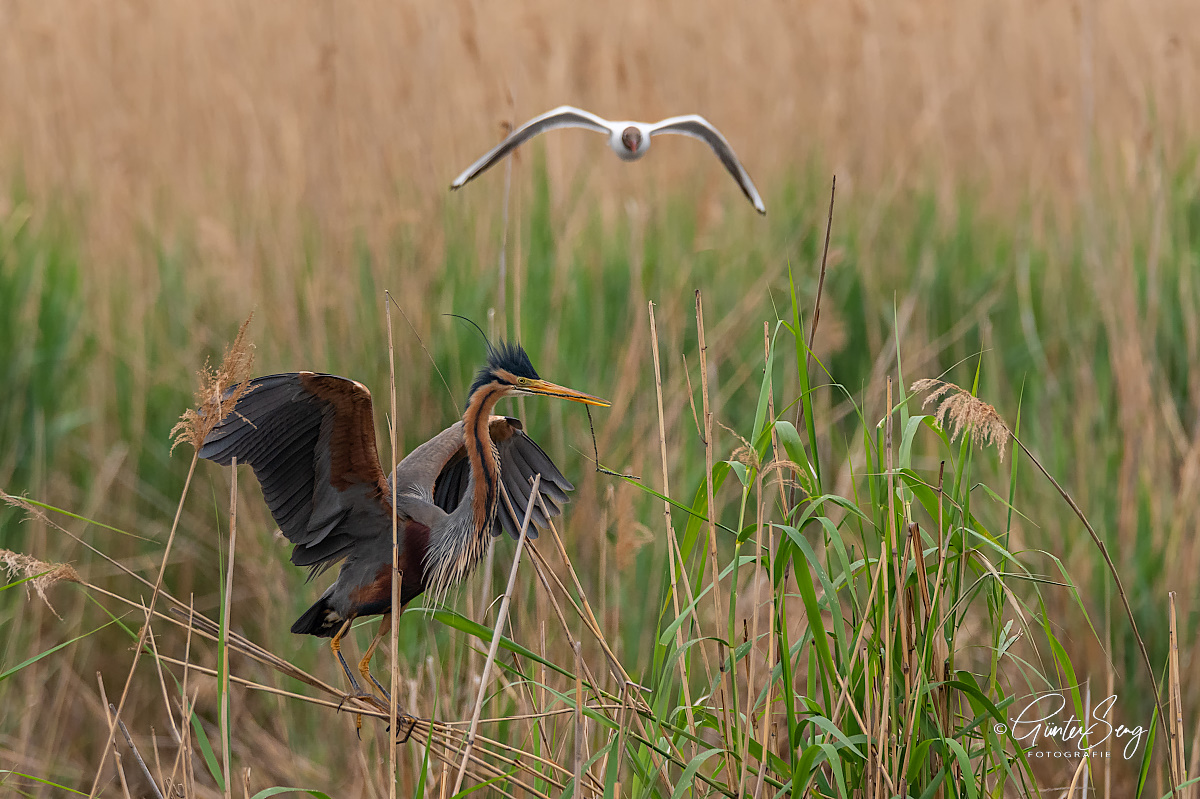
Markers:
point(310, 439)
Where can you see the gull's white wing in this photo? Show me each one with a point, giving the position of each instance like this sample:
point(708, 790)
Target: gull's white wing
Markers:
point(564, 116)
point(699, 128)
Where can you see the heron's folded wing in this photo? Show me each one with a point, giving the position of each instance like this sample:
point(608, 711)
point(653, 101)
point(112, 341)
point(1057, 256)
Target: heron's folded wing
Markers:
point(310, 439)
point(520, 459)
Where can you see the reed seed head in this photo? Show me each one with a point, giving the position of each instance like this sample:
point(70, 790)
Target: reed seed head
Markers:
point(960, 410)
point(214, 399)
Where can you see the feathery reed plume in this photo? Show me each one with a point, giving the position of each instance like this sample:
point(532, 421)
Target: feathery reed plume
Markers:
point(43, 574)
point(960, 410)
point(211, 403)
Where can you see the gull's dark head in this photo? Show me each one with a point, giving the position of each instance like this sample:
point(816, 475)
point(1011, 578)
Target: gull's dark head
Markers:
point(631, 137)
point(509, 372)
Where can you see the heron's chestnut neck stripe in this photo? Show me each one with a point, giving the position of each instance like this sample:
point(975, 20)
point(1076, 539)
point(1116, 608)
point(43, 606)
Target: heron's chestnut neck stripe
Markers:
point(480, 450)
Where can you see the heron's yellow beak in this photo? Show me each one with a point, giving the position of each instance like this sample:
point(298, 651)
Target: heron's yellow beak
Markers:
point(547, 389)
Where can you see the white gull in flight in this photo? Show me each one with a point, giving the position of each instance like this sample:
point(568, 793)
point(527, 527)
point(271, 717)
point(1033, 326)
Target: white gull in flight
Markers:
point(629, 140)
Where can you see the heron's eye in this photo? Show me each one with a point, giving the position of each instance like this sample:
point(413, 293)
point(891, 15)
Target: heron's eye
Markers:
point(521, 381)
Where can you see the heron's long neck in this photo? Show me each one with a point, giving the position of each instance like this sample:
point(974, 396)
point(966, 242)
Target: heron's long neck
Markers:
point(483, 488)
point(462, 541)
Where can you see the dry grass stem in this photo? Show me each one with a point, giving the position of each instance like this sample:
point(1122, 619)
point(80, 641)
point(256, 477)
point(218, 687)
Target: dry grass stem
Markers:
point(1174, 694)
point(721, 615)
point(671, 543)
point(137, 755)
point(226, 608)
point(396, 577)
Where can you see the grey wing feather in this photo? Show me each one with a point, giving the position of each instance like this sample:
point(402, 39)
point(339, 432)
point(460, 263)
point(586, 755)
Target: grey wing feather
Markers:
point(451, 484)
point(283, 431)
point(564, 116)
point(520, 459)
point(697, 127)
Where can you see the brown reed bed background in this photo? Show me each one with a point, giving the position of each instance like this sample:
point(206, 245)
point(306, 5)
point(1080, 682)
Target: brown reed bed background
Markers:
point(172, 112)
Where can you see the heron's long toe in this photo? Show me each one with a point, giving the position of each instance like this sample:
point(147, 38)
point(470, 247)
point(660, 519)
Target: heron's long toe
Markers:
point(407, 724)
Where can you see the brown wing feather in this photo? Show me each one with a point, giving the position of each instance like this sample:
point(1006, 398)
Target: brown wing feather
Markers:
point(311, 441)
point(353, 456)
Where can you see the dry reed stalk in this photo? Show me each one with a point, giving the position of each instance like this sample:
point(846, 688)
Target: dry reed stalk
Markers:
point(161, 781)
point(721, 615)
point(225, 612)
point(162, 683)
point(1076, 776)
point(888, 551)
point(870, 773)
point(1174, 695)
point(914, 541)
point(501, 617)
point(812, 330)
point(206, 627)
point(1110, 682)
point(941, 652)
point(138, 755)
point(340, 705)
point(672, 545)
point(110, 714)
point(542, 569)
point(776, 602)
point(577, 771)
point(758, 553)
point(182, 753)
point(622, 722)
point(396, 577)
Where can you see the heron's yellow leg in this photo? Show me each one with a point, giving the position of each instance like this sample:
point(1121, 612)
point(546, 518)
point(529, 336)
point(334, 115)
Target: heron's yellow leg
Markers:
point(364, 665)
point(335, 645)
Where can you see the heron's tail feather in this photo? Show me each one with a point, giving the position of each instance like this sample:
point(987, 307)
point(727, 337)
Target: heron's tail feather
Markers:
point(320, 620)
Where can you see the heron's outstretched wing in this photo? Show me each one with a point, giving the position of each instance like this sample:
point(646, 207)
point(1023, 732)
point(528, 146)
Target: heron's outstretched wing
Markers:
point(311, 441)
point(520, 459)
point(700, 128)
point(564, 116)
